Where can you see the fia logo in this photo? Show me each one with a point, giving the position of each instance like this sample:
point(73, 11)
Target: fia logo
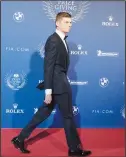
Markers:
point(15, 81)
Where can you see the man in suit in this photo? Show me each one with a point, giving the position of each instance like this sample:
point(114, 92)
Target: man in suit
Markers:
point(57, 89)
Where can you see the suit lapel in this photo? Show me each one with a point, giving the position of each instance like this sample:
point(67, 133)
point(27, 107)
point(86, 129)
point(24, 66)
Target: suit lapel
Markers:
point(67, 53)
point(62, 43)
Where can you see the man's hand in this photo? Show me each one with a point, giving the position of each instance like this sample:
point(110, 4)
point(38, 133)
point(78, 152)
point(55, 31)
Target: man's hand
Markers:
point(48, 99)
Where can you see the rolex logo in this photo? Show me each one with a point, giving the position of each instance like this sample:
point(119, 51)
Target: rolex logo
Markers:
point(15, 110)
point(15, 105)
point(79, 51)
point(110, 18)
point(79, 47)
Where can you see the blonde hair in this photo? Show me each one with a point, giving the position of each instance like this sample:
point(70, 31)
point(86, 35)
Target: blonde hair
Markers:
point(60, 15)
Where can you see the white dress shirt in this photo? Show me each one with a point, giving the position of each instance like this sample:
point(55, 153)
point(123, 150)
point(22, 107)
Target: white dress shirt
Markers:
point(62, 36)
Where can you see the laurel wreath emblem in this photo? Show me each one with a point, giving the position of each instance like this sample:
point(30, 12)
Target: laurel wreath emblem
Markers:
point(82, 9)
point(123, 111)
point(41, 50)
point(11, 85)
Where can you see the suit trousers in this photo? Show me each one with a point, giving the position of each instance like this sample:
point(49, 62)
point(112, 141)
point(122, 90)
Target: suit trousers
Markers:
point(64, 102)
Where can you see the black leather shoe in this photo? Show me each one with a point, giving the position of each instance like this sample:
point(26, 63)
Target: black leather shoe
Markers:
point(79, 152)
point(19, 145)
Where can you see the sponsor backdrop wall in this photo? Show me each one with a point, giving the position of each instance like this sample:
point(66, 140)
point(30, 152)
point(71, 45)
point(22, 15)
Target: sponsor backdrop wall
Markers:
point(96, 72)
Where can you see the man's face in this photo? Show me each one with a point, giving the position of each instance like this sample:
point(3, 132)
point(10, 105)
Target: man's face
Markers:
point(64, 24)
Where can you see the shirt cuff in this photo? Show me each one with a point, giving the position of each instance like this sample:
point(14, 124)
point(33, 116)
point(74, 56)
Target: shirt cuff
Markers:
point(48, 91)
